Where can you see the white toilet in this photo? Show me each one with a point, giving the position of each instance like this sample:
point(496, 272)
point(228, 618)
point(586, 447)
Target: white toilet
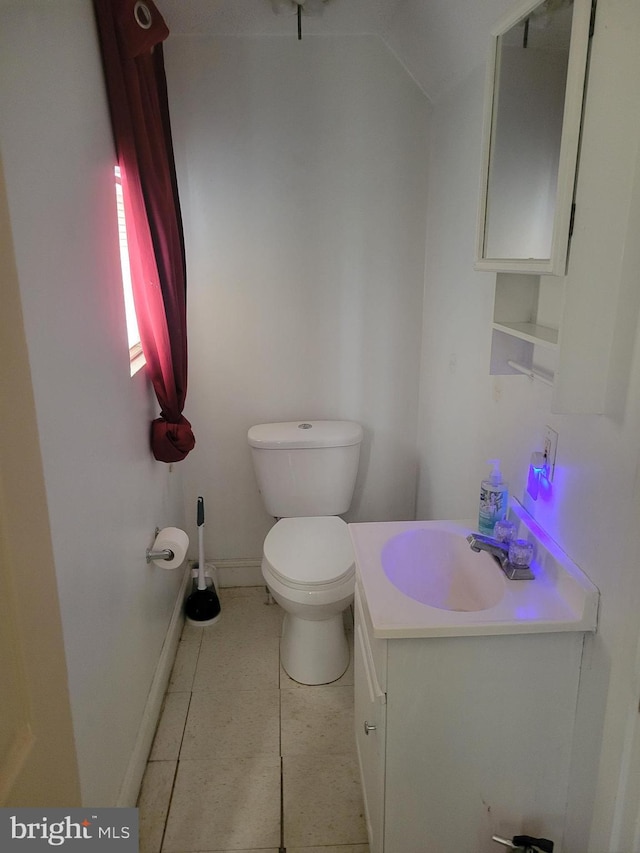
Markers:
point(306, 474)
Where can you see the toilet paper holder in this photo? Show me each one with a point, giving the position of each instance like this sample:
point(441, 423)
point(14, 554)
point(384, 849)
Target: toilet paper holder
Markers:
point(165, 554)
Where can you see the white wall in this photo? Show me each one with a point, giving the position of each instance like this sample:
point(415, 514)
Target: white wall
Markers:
point(302, 168)
point(104, 491)
point(468, 417)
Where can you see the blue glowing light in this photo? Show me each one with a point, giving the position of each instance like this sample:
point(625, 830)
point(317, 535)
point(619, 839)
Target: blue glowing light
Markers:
point(538, 483)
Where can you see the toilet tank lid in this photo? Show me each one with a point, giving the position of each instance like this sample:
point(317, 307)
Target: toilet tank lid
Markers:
point(305, 434)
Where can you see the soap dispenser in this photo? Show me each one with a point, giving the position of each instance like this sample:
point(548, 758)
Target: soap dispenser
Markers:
point(494, 496)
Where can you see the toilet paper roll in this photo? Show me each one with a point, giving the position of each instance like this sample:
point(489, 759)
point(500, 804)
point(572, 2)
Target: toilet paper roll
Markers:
point(175, 540)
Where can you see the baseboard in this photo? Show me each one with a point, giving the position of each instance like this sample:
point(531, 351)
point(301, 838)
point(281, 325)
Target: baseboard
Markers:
point(238, 572)
point(137, 765)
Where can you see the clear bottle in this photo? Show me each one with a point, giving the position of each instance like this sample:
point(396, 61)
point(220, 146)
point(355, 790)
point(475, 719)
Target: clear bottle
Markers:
point(494, 496)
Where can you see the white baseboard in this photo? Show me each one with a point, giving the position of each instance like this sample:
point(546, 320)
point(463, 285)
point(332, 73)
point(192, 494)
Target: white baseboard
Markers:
point(238, 572)
point(137, 764)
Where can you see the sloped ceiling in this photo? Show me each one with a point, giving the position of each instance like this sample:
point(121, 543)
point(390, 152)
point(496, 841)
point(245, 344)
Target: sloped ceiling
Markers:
point(441, 41)
point(438, 41)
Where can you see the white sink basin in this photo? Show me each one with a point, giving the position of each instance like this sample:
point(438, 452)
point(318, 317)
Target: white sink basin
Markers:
point(436, 566)
point(421, 579)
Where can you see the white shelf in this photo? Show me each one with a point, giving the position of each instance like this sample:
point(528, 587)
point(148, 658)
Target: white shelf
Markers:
point(526, 316)
point(533, 333)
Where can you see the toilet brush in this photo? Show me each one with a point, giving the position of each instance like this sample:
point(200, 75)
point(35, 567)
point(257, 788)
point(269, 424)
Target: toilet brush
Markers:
point(203, 606)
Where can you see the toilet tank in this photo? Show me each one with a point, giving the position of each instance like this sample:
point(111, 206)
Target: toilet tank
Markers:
point(306, 468)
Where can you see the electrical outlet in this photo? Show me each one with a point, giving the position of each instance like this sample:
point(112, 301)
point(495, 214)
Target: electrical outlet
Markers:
point(549, 450)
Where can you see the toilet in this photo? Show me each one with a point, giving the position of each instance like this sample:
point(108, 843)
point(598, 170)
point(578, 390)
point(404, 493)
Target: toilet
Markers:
point(306, 473)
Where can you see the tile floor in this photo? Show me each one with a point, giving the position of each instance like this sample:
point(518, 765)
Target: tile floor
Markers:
point(244, 758)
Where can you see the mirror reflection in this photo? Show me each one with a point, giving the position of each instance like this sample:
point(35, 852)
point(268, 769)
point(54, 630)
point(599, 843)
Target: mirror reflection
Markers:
point(529, 97)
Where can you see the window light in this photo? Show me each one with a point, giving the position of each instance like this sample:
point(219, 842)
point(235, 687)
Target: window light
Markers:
point(136, 356)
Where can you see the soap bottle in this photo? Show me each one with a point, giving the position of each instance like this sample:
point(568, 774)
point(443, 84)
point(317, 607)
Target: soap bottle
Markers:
point(494, 496)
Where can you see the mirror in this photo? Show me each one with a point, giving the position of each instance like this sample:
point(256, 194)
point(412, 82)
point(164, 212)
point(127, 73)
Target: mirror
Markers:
point(533, 109)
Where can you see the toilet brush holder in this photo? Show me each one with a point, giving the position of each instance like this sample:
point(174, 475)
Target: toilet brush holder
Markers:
point(202, 608)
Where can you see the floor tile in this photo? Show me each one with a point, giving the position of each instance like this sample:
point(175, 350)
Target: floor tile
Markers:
point(245, 615)
point(230, 804)
point(153, 803)
point(191, 633)
point(227, 720)
point(317, 720)
point(242, 650)
point(166, 744)
point(226, 723)
point(241, 665)
point(322, 801)
point(184, 666)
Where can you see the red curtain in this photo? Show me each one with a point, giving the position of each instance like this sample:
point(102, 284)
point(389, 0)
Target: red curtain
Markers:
point(131, 33)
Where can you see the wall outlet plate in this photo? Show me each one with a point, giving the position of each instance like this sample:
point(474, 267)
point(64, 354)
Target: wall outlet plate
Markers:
point(549, 449)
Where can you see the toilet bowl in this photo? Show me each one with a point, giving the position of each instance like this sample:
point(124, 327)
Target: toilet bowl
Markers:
point(308, 565)
point(306, 474)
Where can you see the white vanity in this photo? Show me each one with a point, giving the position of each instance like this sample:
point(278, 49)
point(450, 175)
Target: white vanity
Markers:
point(464, 718)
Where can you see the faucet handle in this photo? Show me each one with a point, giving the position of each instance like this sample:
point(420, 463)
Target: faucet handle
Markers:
point(504, 530)
point(521, 553)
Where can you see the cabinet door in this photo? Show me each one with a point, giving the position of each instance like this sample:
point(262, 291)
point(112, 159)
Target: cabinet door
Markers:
point(370, 727)
point(533, 108)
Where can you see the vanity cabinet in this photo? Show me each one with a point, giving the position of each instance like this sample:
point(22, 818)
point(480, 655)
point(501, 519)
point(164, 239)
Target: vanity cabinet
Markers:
point(460, 738)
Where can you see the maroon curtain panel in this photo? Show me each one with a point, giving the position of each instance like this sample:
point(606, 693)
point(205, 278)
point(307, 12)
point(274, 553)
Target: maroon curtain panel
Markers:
point(131, 33)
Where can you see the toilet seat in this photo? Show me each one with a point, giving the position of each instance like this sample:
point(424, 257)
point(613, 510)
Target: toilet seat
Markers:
point(310, 552)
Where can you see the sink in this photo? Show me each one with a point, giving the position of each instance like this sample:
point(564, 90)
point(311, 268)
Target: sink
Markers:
point(436, 567)
point(421, 579)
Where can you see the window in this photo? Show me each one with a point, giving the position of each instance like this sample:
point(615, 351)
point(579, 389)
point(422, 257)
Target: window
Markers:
point(136, 356)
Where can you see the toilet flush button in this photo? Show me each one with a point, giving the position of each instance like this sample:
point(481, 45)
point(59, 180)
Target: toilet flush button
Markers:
point(305, 426)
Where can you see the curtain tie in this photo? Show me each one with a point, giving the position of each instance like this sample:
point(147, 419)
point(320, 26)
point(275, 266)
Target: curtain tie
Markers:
point(171, 441)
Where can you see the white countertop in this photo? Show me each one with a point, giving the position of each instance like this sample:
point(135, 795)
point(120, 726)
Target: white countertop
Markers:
point(561, 598)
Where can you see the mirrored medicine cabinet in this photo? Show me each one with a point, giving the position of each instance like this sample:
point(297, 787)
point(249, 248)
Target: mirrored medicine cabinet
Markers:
point(533, 109)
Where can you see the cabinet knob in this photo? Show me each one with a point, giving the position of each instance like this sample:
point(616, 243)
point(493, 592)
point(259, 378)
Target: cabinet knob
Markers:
point(368, 727)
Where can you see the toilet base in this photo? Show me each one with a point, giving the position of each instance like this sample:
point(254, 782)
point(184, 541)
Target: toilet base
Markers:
point(314, 651)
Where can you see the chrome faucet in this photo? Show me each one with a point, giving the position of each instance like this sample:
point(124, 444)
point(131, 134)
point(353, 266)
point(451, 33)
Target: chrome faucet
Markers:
point(479, 542)
point(500, 552)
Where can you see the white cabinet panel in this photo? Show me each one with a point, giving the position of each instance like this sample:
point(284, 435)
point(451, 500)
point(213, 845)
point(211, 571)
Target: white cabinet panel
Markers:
point(370, 731)
point(473, 737)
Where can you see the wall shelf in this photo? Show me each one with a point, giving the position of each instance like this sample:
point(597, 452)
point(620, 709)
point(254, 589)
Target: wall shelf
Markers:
point(526, 317)
point(534, 333)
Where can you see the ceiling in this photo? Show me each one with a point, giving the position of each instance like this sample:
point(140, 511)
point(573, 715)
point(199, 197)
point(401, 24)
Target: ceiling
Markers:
point(256, 17)
point(439, 42)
